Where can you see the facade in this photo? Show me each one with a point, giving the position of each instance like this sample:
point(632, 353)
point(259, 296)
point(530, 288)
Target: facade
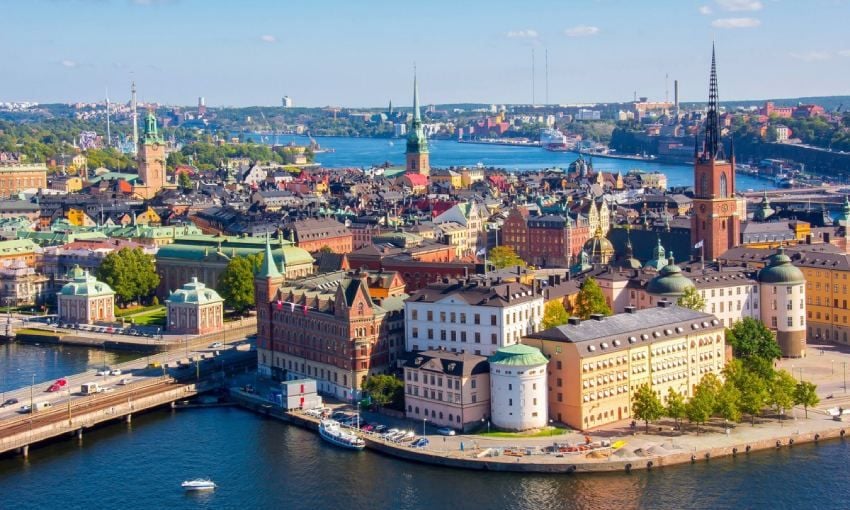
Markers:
point(85, 300)
point(518, 388)
point(416, 155)
point(595, 366)
point(448, 389)
point(548, 240)
point(151, 160)
point(784, 303)
point(17, 177)
point(194, 310)
point(715, 223)
point(337, 328)
point(471, 218)
point(478, 316)
point(317, 234)
point(22, 286)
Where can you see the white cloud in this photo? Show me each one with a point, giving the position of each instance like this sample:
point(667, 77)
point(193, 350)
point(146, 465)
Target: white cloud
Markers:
point(736, 23)
point(811, 56)
point(268, 38)
point(68, 63)
point(740, 5)
point(581, 31)
point(705, 10)
point(528, 33)
point(844, 53)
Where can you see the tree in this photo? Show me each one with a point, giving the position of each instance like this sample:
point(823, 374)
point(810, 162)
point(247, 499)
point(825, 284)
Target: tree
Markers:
point(130, 272)
point(805, 395)
point(505, 256)
point(728, 404)
point(236, 283)
point(554, 314)
point(184, 181)
point(750, 338)
point(691, 299)
point(590, 300)
point(646, 405)
point(751, 384)
point(676, 406)
point(781, 392)
point(326, 249)
point(704, 402)
point(385, 390)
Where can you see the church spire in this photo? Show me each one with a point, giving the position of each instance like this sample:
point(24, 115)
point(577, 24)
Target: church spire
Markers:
point(713, 146)
point(417, 118)
point(268, 269)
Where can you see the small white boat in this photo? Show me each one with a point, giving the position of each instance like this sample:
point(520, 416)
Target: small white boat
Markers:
point(199, 485)
point(331, 432)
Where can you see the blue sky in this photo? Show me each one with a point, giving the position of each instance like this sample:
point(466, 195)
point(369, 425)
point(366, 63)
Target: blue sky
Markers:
point(361, 52)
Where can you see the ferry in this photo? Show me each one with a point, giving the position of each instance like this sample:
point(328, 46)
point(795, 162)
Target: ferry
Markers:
point(333, 433)
point(199, 484)
point(553, 140)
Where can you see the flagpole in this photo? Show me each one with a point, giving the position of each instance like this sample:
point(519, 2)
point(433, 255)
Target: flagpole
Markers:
point(702, 253)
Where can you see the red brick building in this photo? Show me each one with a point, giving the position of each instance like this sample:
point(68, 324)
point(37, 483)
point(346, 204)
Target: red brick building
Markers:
point(551, 240)
point(315, 234)
point(418, 265)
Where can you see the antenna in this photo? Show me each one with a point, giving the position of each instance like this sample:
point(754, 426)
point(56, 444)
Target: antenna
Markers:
point(547, 75)
point(533, 99)
point(135, 118)
point(108, 132)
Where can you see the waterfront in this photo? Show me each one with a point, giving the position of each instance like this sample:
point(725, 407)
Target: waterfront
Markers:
point(365, 152)
point(264, 463)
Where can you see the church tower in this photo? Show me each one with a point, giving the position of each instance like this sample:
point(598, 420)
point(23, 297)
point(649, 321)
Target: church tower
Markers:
point(267, 281)
point(715, 222)
point(151, 159)
point(417, 143)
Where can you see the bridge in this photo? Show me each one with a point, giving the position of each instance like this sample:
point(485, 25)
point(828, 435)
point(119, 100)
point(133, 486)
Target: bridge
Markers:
point(132, 387)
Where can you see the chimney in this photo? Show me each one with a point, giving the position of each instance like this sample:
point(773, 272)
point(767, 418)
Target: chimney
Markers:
point(664, 304)
point(597, 316)
point(574, 321)
point(630, 309)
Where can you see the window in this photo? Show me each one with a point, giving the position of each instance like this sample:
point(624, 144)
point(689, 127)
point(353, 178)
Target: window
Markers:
point(430, 334)
point(724, 186)
point(493, 339)
point(510, 401)
point(462, 320)
point(773, 321)
point(510, 387)
point(560, 382)
point(442, 316)
point(492, 320)
point(415, 332)
point(790, 321)
point(462, 336)
point(477, 319)
point(430, 315)
point(414, 314)
point(452, 317)
point(477, 337)
point(472, 383)
point(558, 364)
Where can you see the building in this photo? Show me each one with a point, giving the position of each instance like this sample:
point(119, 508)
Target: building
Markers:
point(518, 388)
point(22, 286)
point(471, 218)
point(298, 394)
point(416, 153)
point(474, 315)
point(194, 310)
point(547, 240)
point(17, 177)
point(85, 300)
point(784, 303)
point(313, 235)
point(151, 160)
point(596, 366)
point(337, 328)
point(448, 389)
point(286, 102)
point(715, 223)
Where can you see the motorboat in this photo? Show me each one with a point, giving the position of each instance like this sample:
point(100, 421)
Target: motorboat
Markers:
point(199, 484)
point(331, 432)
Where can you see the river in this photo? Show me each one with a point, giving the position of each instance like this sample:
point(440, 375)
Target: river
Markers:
point(263, 463)
point(365, 152)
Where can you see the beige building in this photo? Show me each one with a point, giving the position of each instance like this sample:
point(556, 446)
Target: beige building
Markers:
point(448, 389)
point(85, 300)
point(595, 366)
point(14, 178)
point(194, 310)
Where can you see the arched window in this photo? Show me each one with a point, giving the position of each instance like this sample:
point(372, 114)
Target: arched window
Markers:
point(703, 186)
point(724, 186)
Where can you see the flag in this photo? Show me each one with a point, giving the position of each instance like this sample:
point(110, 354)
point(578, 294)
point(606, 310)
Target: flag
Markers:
point(279, 304)
point(305, 309)
point(482, 251)
point(291, 307)
point(699, 244)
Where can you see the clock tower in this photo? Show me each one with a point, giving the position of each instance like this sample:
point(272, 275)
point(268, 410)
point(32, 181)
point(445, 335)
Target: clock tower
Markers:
point(714, 222)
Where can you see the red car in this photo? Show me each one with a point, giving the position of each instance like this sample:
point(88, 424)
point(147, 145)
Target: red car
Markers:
point(58, 385)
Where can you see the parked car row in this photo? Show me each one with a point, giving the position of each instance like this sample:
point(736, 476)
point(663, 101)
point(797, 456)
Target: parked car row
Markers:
point(106, 329)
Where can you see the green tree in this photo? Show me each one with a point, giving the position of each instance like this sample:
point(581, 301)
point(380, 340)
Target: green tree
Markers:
point(130, 272)
point(805, 395)
point(554, 314)
point(236, 283)
point(728, 404)
point(504, 256)
point(781, 392)
point(692, 299)
point(326, 249)
point(704, 402)
point(646, 405)
point(750, 338)
point(385, 390)
point(676, 406)
point(751, 384)
point(590, 300)
point(185, 182)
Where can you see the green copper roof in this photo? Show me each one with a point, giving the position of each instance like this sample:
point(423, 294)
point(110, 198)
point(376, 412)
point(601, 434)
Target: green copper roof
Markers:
point(150, 135)
point(194, 292)
point(268, 269)
point(658, 260)
point(670, 281)
point(781, 270)
point(416, 140)
point(519, 355)
point(84, 284)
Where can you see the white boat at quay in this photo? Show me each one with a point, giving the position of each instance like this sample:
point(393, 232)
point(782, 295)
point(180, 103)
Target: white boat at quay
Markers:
point(199, 484)
point(333, 433)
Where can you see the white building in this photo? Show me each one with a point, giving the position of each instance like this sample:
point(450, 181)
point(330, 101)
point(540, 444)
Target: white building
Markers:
point(472, 217)
point(286, 102)
point(783, 293)
point(518, 388)
point(477, 316)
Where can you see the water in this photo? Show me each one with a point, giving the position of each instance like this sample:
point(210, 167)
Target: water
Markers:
point(365, 152)
point(263, 463)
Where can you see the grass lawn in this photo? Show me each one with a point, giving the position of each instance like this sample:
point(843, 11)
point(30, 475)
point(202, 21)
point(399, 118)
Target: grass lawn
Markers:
point(151, 317)
point(549, 431)
point(36, 332)
point(133, 310)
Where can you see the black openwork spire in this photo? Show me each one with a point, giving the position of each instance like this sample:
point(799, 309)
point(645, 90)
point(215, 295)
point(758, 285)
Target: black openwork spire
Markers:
point(713, 146)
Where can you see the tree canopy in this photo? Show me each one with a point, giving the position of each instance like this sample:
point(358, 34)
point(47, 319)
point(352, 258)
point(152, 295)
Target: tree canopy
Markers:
point(554, 314)
point(692, 299)
point(590, 300)
point(504, 256)
point(751, 340)
point(646, 406)
point(676, 406)
point(236, 283)
point(385, 390)
point(130, 272)
point(805, 395)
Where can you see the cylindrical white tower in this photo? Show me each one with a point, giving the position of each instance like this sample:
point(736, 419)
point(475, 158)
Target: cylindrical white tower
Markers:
point(518, 391)
point(783, 303)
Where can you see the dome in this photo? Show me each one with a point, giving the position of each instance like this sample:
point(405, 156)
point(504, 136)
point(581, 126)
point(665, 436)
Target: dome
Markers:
point(519, 355)
point(669, 282)
point(764, 211)
point(780, 270)
point(659, 259)
point(84, 284)
point(194, 292)
point(598, 248)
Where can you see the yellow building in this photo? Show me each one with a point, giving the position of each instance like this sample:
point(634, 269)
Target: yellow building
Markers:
point(596, 366)
point(79, 218)
point(449, 177)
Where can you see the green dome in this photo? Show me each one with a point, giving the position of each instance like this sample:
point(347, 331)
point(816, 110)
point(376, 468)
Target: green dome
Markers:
point(519, 355)
point(669, 282)
point(84, 284)
point(658, 260)
point(780, 270)
point(194, 292)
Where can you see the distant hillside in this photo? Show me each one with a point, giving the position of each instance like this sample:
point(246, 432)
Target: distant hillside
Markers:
point(830, 103)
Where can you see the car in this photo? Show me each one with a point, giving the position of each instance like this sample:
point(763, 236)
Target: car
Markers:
point(104, 371)
point(125, 381)
point(107, 389)
point(446, 431)
point(422, 442)
point(54, 387)
point(25, 409)
point(216, 345)
point(116, 371)
point(9, 402)
point(367, 428)
point(380, 429)
point(338, 415)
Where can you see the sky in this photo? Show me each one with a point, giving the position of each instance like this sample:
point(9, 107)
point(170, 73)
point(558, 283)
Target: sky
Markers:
point(363, 52)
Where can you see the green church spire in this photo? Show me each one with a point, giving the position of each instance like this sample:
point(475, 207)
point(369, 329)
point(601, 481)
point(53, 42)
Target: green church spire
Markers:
point(268, 269)
point(151, 134)
point(416, 140)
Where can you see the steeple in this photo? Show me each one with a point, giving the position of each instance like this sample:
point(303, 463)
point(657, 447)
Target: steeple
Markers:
point(417, 144)
point(268, 269)
point(416, 115)
point(713, 147)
